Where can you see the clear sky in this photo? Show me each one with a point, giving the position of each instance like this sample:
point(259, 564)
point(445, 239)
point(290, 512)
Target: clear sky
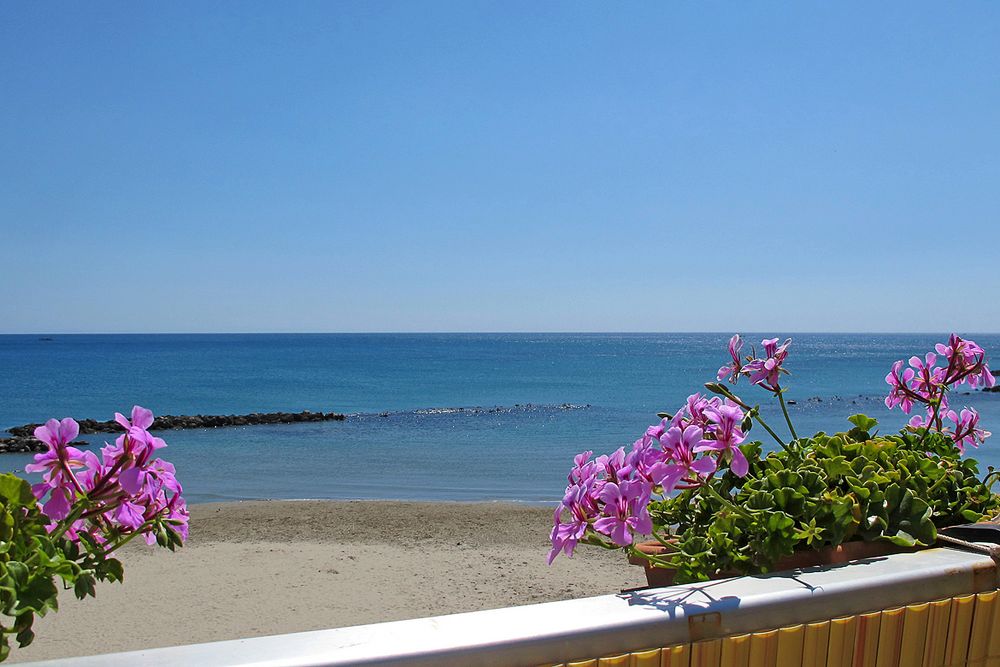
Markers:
point(474, 166)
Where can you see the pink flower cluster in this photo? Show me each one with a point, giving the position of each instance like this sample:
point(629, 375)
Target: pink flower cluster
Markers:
point(763, 371)
point(124, 490)
point(926, 382)
point(610, 495)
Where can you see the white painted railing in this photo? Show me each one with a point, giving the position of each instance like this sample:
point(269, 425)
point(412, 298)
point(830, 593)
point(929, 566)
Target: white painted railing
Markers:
point(557, 632)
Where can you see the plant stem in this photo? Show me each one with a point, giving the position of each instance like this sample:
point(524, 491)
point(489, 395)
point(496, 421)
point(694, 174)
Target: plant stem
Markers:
point(788, 420)
point(591, 538)
point(729, 503)
point(660, 539)
point(65, 524)
point(756, 415)
point(656, 560)
point(935, 485)
point(754, 411)
point(58, 532)
point(130, 537)
point(931, 422)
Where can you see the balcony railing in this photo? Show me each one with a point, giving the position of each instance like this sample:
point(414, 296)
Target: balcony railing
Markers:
point(933, 607)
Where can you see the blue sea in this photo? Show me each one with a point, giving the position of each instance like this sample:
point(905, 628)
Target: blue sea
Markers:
point(411, 432)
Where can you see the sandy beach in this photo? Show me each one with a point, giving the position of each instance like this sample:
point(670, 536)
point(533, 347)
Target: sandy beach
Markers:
point(262, 568)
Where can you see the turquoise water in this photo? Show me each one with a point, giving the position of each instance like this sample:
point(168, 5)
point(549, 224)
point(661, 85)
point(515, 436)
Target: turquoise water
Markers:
point(558, 394)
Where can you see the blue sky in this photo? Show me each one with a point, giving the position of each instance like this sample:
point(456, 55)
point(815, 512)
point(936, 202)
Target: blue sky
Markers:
point(505, 166)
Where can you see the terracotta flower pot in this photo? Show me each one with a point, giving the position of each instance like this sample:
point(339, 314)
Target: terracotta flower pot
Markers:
point(843, 553)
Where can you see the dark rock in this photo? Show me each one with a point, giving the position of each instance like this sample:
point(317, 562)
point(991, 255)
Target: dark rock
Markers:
point(28, 444)
point(23, 440)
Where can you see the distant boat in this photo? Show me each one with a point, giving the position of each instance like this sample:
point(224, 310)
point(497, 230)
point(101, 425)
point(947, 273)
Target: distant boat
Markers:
point(45, 338)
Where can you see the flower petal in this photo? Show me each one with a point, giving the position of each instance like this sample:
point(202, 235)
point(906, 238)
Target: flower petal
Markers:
point(68, 429)
point(141, 417)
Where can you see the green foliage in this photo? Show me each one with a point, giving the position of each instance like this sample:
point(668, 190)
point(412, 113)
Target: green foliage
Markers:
point(821, 492)
point(32, 561)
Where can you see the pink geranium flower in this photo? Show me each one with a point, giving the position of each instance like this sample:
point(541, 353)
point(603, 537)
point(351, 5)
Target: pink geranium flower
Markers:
point(685, 466)
point(927, 383)
point(58, 464)
point(967, 431)
point(900, 394)
point(766, 372)
point(733, 370)
point(693, 411)
point(566, 534)
point(726, 420)
point(966, 363)
point(126, 490)
point(625, 511)
point(137, 429)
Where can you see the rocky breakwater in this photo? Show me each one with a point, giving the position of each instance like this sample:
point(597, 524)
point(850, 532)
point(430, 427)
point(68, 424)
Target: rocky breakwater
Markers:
point(22, 439)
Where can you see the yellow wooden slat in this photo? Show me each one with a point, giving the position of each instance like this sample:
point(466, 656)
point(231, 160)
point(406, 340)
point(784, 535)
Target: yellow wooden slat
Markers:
point(763, 648)
point(993, 647)
point(866, 640)
point(649, 658)
point(842, 634)
point(890, 638)
point(706, 653)
point(676, 656)
point(815, 644)
point(982, 625)
point(736, 651)
point(963, 631)
point(790, 642)
point(959, 629)
point(914, 637)
point(939, 613)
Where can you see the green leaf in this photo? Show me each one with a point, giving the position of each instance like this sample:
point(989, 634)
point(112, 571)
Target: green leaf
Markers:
point(810, 532)
point(24, 638)
point(789, 500)
point(22, 626)
point(111, 570)
point(971, 516)
point(39, 595)
point(836, 466)
point(85, 586)
point(16, 491)
point(760, 500)
point(18, 572)
point(863, 422)
point(901, 539)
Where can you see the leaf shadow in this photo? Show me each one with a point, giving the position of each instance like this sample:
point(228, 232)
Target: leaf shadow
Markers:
point(687, 600)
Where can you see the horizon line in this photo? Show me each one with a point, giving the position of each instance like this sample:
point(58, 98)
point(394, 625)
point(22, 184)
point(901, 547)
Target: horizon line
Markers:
point(458, 333)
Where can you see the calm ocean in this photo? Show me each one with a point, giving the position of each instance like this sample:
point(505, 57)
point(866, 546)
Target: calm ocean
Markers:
point(558, 394)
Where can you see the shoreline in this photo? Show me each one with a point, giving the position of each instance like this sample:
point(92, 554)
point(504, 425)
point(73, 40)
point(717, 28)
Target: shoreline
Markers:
point(255, 568)
point(551, 503)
